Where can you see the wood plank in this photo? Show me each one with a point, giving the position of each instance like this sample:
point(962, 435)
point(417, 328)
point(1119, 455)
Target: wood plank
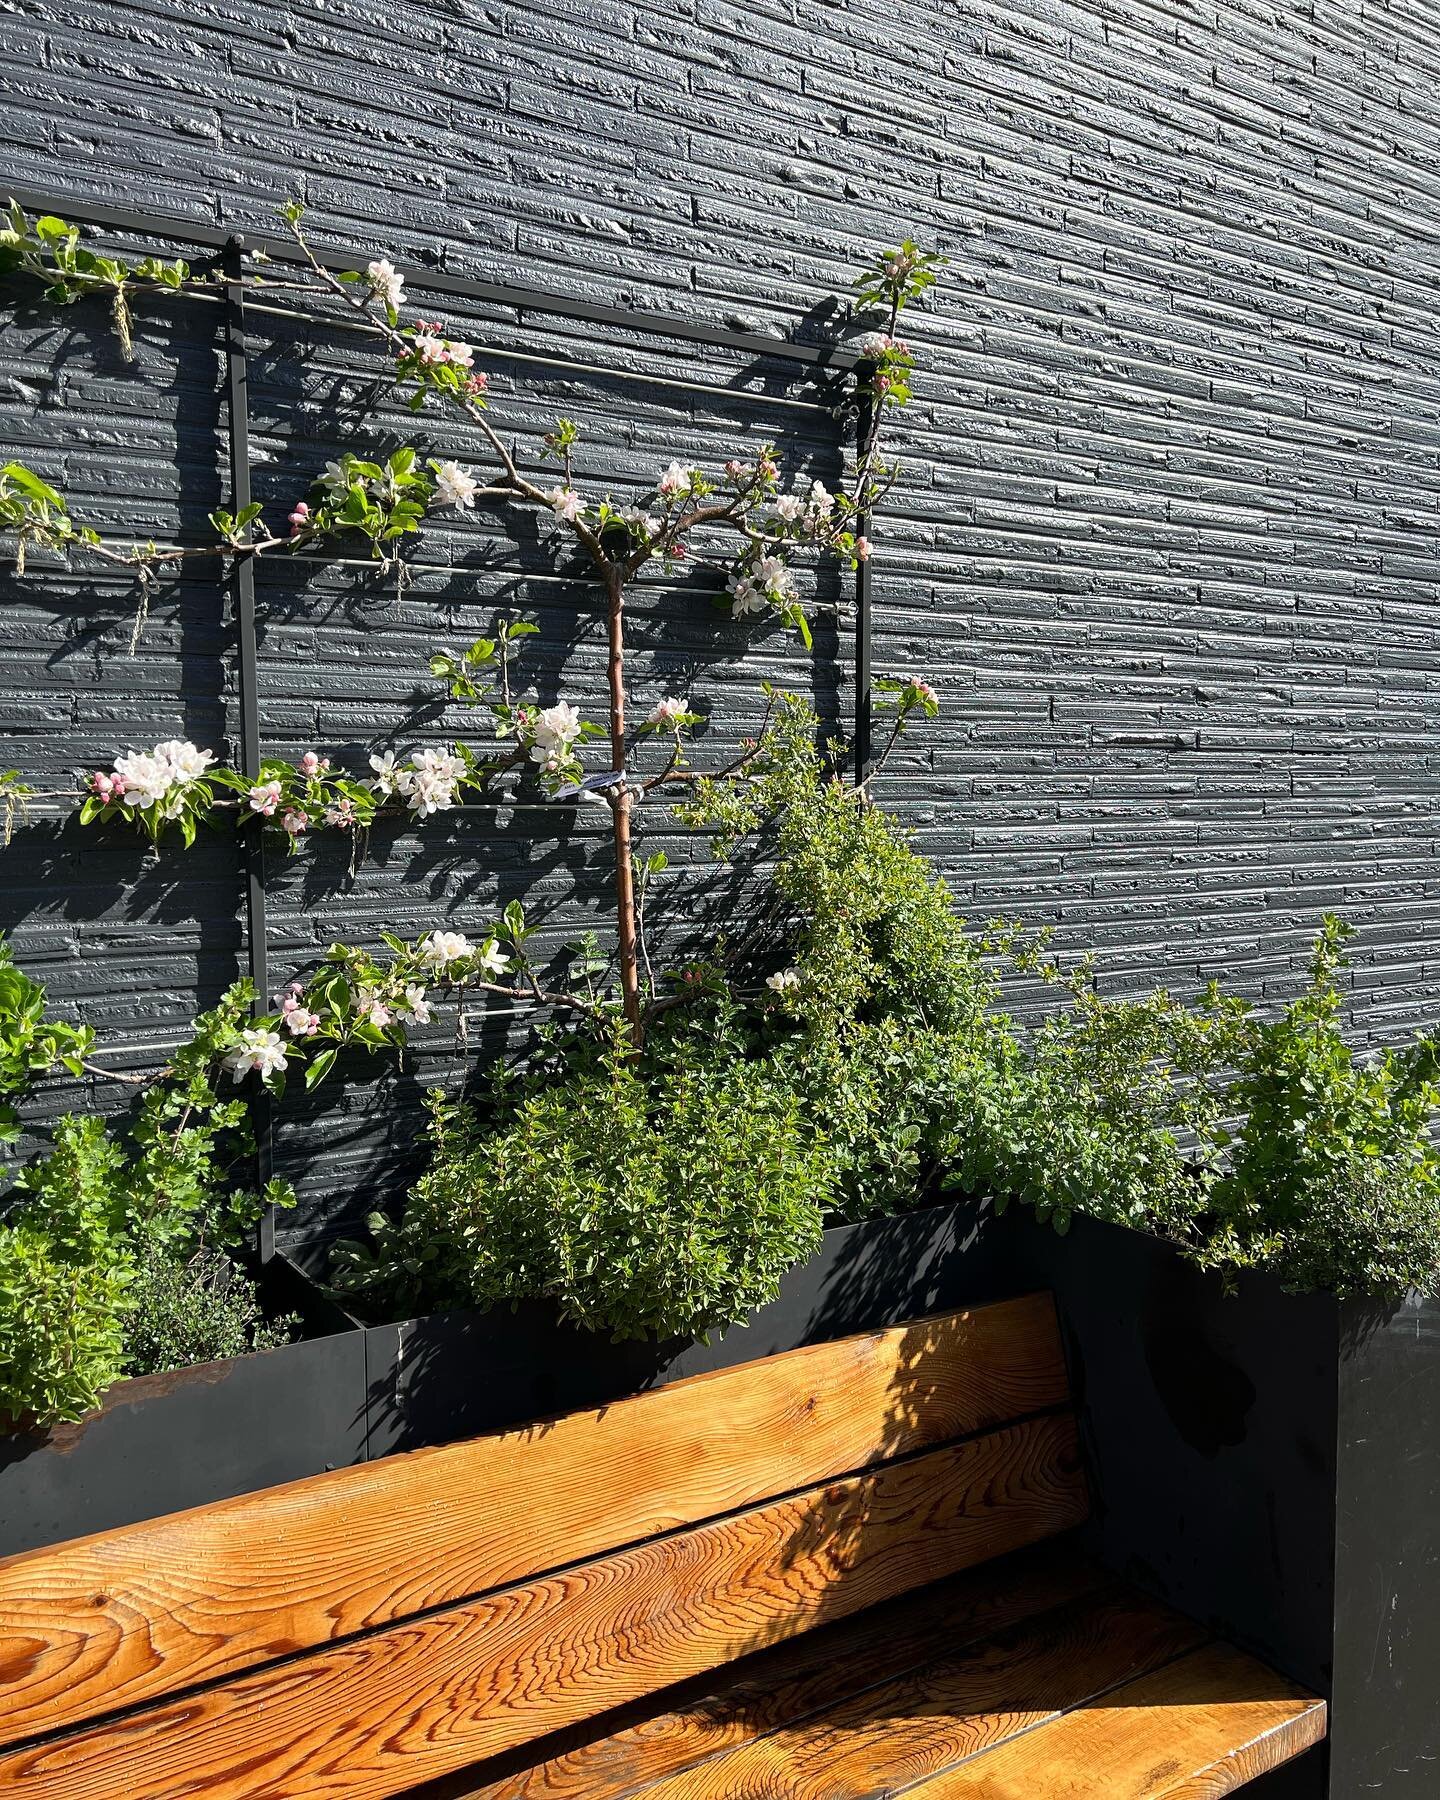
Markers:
point(126, 1616)
point(775, 1688)
point(1196, 1730)
point(371, 1717)
point(900, 1732)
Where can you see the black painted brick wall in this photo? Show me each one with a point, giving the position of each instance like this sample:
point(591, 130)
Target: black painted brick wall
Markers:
point(1165, 539)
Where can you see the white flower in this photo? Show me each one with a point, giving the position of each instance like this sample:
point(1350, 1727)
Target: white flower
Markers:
point(774, 576)
point(416, 1004)
point(264, 797)
point(666, 712)
point(455, 486)
point(187, 763)
point(566, 502)
point(386, 281)
point(148, 778)
point(873, 344)
point(821, 502)
point(442, 948)
point(553, 731)
point(334, 478)
point(646, 525)
point(676, 480)
point(431, 783)
point(790, 507)
point(386, 777)
point(748, 596)
point(300, 1021)
point(258, 1049)
point(429, 348)
point(783, 981)
point(493, 960)
point(462, 355)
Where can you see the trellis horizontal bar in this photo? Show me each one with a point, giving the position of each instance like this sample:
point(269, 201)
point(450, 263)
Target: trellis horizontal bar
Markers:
point(590, 312)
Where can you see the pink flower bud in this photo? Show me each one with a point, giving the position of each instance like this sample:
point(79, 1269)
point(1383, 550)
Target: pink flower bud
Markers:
point(118, 785)
point(310, 763)
point(679, 552)
point(295, 821)
point(102, 784)
point(476, 383)
point(862, 548)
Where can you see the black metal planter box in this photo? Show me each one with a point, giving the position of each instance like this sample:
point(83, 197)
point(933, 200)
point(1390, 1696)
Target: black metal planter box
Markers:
point(1270, 1463)
point(452, 1375)
point(160, 1443)
point(348, 1393)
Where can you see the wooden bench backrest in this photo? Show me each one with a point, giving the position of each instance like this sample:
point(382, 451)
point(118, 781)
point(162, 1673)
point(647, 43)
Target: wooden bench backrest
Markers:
point(406, 1618)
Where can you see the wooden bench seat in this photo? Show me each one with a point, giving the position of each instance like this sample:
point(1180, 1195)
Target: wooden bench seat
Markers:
point(836, 1572)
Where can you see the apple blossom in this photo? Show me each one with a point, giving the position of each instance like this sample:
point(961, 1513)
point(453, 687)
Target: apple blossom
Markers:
point(295, 821)
point(311, 765)
point(297, 1018)
point(922, 688)
point(258, 1049)
point(442, 948)
point(342, 813)
point(675, 481)
point(554, 730)
point(493, 960)
point(386, 282)
point(264, 797)
point(644, 524)
point(386, 776)
point(566, 503)
point(148, 779)
point(748, 596)
point(862, 548)
point(186, 762)
point(790, 507)
point(455, 486)
point(666, 711)
point(416, 1004)
point(783, 981)
point(873, 344)
point(300, 518)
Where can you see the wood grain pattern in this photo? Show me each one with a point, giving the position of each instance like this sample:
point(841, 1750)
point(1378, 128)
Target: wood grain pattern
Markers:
point(130, 1615)
point(790, 1682)
point(1195, 1730)
point(368, 1718)
point(896, 1733)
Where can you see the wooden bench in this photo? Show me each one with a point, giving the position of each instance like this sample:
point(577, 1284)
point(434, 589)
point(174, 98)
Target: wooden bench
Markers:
point(836, 1572)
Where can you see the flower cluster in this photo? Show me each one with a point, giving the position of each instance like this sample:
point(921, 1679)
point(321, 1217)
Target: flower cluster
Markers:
point(170, 784)
point(433, 362)
point(763, 579)
point(429, 783)
point(298, 796)
point(357, 999)
point(387, 284)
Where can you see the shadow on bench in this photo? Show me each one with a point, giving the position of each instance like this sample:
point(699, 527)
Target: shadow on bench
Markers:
point(829, 1573)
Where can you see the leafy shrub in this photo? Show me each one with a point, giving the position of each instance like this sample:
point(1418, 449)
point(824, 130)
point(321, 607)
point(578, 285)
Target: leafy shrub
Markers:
point(201, 1308)
point(1331, 1176)
point(92, 1220)
point(643, 1201)
point(63, 1281)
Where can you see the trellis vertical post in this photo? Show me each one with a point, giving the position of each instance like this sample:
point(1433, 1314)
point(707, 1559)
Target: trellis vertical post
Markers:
point(248, 661)
point(864, 748)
